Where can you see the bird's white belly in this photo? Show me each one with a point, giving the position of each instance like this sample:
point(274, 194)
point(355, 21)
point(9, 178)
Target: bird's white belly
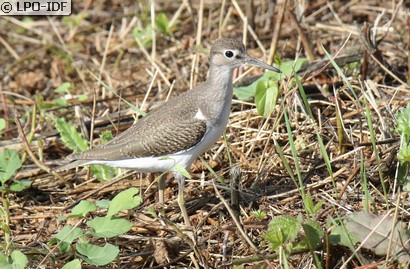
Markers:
point(148, 164)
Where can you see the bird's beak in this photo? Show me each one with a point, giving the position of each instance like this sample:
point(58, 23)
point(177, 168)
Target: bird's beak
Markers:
point(255, 62)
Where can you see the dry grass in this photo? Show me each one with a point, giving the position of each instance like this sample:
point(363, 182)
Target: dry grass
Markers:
point(39, 56)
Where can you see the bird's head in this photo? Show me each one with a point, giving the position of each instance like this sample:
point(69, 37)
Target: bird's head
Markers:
point(232, 54)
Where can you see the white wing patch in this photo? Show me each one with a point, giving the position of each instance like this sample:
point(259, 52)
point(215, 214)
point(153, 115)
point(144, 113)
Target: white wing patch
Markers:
point(199, 115)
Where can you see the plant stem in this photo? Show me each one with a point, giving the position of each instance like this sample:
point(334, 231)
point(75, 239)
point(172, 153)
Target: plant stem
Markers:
point(6, 224)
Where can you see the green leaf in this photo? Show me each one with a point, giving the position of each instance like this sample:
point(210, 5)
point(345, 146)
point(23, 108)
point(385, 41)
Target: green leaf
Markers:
point(108, 227)
point(182, 171)
point(41, 104)
point(66, 236)
point(310, 206)
point(246, 92)
point(144, 35)
point(403, 121)
point(281, 230)
point(4, 261)
point(17, 260)
point(249, 91)
point(259, 214)
point(71, 138)
point(123, 201)
point(63, 88)
point(9, 163)
point(82, 98)
point(404, 153)
point(103, 203)
point(162, 23)
point(74, 20)
point(74, 264)
point(60, 102)
point(314, 234)
point(20, 185)
point(69, 233)
point(287, 67)
point(106, 136)
point(404, 176)
point(266, 96)
point(96, 255)
point(103, 172)
point(83, 208)
point(340, 236)
point(2, 125)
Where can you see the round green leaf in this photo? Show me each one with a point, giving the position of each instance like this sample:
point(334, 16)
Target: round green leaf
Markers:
point(266, 96)
point(74, 264)
point(9, 163)
point(96, 255)
point(282, 229)
point(123, 201)
point(69, 233)
point(108, 227)
point(83, 208)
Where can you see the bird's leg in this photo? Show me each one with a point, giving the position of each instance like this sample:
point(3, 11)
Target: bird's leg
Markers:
point(161, 187)
point(181, 199)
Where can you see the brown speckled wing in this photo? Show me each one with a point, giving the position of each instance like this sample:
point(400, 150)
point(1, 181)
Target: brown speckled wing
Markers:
point(162, 132)
point(167, 139)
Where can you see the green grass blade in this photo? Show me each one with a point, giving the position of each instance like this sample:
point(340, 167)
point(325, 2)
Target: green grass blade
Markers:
point(322, 147)
point(295, 157)
point(376, 152)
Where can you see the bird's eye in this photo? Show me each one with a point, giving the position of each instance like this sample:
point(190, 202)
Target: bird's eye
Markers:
point(229, 54)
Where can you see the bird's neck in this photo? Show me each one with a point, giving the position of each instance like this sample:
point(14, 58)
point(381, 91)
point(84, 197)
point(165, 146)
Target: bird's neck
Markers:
point(217, 95)
point(220, 82)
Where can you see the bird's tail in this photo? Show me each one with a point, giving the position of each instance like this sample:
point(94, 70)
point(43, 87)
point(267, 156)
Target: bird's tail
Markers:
point(70, 165)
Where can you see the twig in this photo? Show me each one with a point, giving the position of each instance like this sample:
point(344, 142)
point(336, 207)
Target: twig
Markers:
point(235, 219)
point(146, 54)
point(251, 31)
point(186, 239)
point(303, 37)
point(276, 31)
point(31, 153)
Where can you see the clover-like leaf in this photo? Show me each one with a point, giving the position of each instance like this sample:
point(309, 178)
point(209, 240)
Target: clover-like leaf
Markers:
point(124, 200)
point(96, 255)
point(9, 163)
